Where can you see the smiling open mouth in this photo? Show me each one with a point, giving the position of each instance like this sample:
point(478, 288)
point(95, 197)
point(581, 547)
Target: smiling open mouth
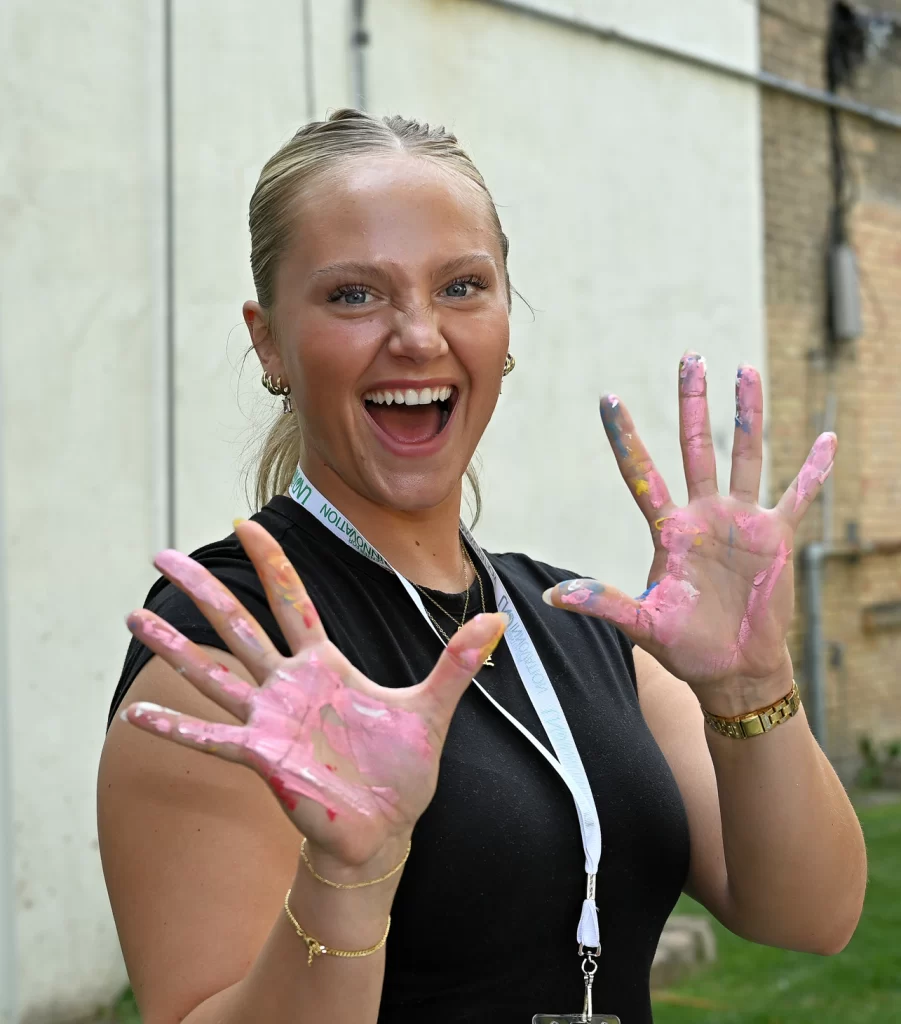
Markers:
point(411, 416)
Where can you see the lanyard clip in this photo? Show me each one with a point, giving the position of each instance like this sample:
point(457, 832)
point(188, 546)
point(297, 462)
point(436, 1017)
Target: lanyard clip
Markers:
point(589, 969)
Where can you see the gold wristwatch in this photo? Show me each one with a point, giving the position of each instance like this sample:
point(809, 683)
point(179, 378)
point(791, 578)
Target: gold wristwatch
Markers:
point(756, 723)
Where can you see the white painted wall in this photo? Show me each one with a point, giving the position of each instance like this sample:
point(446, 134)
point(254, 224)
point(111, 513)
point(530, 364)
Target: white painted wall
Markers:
point(629, 187)
point(75, 351)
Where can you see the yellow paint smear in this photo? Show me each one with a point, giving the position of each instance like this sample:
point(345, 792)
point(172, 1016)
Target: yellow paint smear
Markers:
point(641, 487)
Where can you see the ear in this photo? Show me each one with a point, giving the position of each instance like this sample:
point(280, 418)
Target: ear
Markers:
point(262, 339)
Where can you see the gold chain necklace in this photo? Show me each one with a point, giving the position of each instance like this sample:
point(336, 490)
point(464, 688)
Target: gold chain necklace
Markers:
point(488, 662)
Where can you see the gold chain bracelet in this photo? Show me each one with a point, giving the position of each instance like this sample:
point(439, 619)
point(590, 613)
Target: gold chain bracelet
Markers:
point(351, 885)
point(316, 948)
point(756, 723)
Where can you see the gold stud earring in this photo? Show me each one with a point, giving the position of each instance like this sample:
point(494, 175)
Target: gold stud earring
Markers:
point(509, 365)
point(282, 391)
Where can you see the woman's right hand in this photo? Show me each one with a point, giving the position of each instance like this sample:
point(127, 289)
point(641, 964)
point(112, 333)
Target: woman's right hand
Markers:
point(352, 763)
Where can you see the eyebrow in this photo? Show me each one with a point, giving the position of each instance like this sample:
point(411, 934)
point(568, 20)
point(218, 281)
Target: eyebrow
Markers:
point(383, 270)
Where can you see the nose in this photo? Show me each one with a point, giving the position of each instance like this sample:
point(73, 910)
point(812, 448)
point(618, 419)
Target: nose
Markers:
point(417, 335)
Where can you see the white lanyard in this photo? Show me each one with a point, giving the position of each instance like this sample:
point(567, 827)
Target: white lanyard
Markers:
point(567, 763)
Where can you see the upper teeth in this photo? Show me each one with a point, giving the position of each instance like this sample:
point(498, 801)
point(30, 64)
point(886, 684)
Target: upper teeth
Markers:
point(409, 397)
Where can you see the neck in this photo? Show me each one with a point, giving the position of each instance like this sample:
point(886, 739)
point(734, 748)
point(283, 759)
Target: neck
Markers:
point(423, 545)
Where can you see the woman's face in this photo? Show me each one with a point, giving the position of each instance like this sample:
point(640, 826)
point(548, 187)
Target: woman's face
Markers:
point(390, 321)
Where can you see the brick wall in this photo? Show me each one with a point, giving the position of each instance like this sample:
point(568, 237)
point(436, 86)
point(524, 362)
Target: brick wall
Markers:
point(863, 686)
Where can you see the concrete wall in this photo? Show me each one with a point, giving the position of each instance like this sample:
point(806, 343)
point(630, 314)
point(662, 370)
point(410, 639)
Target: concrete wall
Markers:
point(628, 185)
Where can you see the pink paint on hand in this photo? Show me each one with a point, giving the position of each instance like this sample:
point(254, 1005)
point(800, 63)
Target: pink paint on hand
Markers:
point(658, 492)
point(816, 469)
point(153, 714)
point(596, 599)
point(754, 527)
point(231, 685)
point(195, 580)
point(245, 631)
point(665, 612)
point(305, 702)
point(761, 592)
point(747, 397)
point(693, 377)
point(678, 536)
point(158, 630)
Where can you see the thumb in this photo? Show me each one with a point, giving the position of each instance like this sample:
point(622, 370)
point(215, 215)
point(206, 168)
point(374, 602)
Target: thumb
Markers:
point(588, 597)
point(464, 655)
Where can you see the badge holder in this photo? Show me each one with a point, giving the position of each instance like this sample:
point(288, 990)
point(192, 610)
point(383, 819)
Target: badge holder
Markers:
point(587, 1016)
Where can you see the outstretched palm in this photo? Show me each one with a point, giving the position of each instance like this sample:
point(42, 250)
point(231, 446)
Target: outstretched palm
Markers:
point(353, 763)
point(720, 589)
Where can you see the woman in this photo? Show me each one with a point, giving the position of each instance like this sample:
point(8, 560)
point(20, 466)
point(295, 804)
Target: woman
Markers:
point(382, 314)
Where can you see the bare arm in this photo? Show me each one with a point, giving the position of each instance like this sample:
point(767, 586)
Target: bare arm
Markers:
point(198, 852)
point(777, 854)
point(198, 856)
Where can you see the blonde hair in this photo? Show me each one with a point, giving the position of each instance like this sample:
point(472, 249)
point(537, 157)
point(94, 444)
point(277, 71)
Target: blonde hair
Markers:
point(316, 149)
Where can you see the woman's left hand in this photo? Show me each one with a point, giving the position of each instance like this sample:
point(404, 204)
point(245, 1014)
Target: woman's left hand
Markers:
point(720, 595)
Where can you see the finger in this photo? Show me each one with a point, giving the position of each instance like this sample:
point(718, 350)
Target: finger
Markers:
point(635, 464)
point(657, 617)
point(465, 654)
point(285, 592)
point(698, 456)
point(806, 486)
point(747, 446)
point(211, 678)
point(242, 634)
point(225, 741)
point(277, 760)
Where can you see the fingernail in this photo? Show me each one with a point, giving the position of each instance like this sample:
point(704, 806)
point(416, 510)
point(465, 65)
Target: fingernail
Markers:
point(546, 596)
point(237, 522)
point(508, 618)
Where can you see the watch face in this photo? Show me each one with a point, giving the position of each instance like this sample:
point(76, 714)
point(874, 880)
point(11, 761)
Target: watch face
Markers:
point(574, 1018)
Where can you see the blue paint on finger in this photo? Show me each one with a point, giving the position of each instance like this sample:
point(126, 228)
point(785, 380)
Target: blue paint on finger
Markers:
point(641, 597)
point(610, 417)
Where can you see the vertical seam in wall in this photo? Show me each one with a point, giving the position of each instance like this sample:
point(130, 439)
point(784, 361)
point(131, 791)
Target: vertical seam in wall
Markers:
point(169, 201)
point(8, 943)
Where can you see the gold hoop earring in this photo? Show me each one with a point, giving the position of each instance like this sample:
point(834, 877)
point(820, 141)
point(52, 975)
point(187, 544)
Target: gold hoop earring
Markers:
point(509, 365)
point(278, 389)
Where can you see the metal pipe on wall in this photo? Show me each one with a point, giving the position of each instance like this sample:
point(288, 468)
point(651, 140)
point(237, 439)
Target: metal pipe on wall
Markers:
point(812, 560)
point(359, 40)
point(161, 218)
point(572, 22)
point(309, 68)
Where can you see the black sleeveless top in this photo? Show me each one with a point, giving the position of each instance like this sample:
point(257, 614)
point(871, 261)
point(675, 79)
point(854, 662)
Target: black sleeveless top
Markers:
point(484, 921)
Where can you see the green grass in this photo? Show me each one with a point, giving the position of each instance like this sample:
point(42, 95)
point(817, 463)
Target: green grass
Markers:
point(752, 984)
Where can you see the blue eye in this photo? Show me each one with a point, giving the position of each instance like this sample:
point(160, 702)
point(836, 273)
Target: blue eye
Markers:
point(462, 287)
point(353, 295)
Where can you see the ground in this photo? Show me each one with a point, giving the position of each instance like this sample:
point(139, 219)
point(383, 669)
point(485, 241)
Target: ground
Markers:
point(752, 984)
